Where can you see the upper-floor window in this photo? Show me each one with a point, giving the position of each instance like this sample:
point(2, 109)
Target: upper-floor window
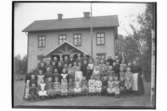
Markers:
point(77, 39)
point(41, 41)
point(100, 38)
point(62, 38)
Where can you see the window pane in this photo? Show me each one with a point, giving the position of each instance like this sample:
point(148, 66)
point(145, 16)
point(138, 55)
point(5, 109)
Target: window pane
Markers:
point(102, 40)
point(98, 35)
point(41, 41)
point(62, 38)
point(77, 39)
point(102, 34)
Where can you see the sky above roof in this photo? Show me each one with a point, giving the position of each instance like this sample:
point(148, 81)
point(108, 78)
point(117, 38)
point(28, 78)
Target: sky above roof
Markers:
point(26, 13)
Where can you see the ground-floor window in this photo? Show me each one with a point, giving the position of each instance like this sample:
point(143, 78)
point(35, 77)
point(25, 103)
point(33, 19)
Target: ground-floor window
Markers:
point(101, 55)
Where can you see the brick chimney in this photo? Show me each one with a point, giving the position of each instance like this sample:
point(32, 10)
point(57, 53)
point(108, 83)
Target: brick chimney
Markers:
point(86, 14)
point(60, 16)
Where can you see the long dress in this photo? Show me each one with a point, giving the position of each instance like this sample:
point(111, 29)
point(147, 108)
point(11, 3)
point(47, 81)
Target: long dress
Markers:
point(49, 87)
point(71, 86)
point(138, 85)
point(89, 70)
point(40, 78)
point(78, 75)
point(64, 86)
point(128, 80)
point(84, 86)
point(84, 70)
point(56, 88)
point(104, 87)
point(26, 90)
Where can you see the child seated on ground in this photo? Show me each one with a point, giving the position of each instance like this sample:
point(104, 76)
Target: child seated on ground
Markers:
point(77, 88)
point(56, 86)
point(84, 86)
point(33, 92)
point(49, 86)
point(91, 85)
point(42, 90)
point(128, 79)
point(40, 77)
point(64, 83)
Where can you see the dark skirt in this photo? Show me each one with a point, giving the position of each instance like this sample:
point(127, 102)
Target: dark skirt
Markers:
point(140, 85)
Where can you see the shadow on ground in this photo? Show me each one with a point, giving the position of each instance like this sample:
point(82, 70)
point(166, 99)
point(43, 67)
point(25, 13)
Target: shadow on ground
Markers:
point(132, 100)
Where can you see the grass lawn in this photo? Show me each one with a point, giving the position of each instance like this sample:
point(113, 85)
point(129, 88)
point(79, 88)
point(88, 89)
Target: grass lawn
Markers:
point(132, 100)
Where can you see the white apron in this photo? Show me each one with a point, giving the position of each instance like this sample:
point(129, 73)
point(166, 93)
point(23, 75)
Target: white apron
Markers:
point(135, 82)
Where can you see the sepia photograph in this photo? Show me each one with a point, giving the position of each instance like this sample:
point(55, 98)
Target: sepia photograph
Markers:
point(84, 55)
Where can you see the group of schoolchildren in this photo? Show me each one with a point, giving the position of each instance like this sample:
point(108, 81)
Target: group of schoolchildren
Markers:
point(66, 76)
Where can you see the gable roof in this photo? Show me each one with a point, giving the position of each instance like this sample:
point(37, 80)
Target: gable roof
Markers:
point(62, 45)
point(73, 23)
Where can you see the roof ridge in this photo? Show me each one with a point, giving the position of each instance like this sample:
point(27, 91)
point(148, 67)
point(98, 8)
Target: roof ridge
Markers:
point(74, 18)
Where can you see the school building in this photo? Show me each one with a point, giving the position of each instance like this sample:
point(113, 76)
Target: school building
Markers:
point(94, 36)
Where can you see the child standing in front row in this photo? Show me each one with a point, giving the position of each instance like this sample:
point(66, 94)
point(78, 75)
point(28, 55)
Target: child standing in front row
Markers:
point(49, 86)
point(110, 85)
point(84, 86)
point(122, 79)
point(128, 79)
point(26, 90)
point(64, 83)
point(33, 87)
point(98, 84)
point(56, 86)
point(104, 85)
point(42, 90)
point(71, 86)
point(33, 91)
point(116, 86)
point(91, 85)
point(77, 88)
point(113, 86)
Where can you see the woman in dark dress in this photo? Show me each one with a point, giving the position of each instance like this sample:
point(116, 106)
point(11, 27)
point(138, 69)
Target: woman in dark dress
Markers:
point(137, 69)
point(84, 68)
point(116, 68)
point(59, 67)
point(66, 60)
point(55, 59)
point(71, 60)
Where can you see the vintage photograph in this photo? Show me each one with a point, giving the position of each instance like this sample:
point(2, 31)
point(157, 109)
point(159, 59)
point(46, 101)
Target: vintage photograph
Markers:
point(84, 55)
